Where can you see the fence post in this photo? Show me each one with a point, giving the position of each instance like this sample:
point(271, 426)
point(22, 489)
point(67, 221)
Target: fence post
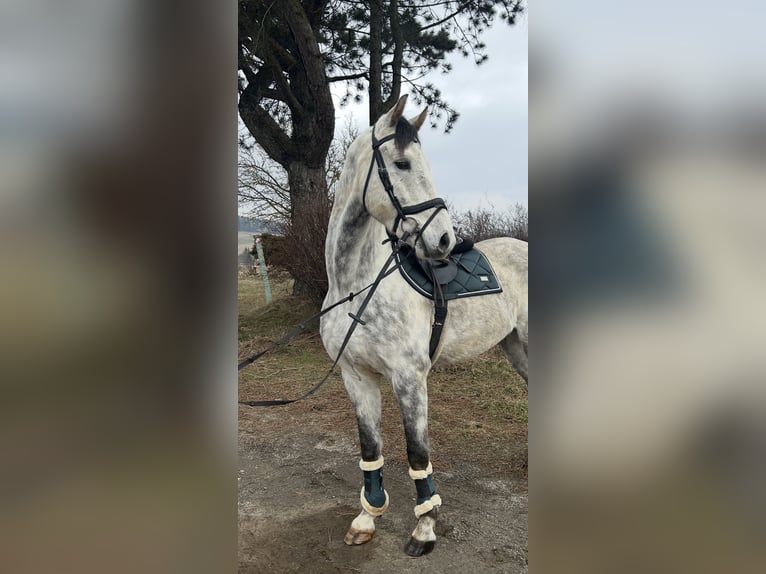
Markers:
point(262, 267)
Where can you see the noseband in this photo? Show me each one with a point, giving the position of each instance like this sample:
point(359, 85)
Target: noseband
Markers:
point(401, 211)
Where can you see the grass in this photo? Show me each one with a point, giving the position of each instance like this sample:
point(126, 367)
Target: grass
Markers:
point(477, 410)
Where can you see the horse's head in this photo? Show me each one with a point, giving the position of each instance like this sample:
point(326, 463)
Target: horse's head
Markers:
point(399, 191)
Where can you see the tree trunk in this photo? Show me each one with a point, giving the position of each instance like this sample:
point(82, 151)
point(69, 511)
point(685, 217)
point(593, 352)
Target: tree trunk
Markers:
point(376, 60)
point(310, 214)
point(396, 64)
point(292, 71)
point(306, 185)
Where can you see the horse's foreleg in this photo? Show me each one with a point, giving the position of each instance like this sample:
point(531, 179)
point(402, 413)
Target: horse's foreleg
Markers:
point(413, 402)
point(365, 395)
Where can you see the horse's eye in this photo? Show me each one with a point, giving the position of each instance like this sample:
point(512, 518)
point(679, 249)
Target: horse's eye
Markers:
point(402, 164)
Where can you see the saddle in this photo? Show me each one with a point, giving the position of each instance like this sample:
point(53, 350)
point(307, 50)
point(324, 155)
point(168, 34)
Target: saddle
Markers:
point(466, 272)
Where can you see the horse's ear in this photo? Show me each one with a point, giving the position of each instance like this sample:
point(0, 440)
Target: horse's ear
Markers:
point(397, 111)
point(420, 119)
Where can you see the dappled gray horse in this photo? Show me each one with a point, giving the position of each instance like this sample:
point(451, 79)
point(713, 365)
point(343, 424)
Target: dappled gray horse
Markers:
point(399, 202)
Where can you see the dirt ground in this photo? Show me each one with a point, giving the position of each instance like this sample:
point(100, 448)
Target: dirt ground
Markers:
point(299, 488)
point(299, 478)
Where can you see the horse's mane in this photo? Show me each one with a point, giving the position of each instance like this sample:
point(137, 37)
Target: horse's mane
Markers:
point(406, 133)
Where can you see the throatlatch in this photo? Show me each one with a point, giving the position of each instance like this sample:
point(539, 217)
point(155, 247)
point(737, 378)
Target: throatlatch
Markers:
point(373, 497)
point(424, 484)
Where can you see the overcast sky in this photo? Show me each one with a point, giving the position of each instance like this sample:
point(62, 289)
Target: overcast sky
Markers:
point(484, 159)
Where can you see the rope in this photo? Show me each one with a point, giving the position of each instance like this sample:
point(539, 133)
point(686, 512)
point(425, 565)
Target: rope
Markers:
point(384, 272)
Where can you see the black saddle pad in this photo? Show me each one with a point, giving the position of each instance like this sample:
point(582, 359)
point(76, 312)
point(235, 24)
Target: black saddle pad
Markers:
point(474, 277)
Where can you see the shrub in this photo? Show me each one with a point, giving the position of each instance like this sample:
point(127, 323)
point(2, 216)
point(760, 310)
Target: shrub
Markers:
point(300, 250)
point(485, 223)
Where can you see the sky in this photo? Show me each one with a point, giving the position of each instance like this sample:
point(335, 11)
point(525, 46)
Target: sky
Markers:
point(482, 162)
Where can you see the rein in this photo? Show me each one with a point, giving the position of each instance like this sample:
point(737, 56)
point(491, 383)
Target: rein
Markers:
point(401, 215)
point(384, 272)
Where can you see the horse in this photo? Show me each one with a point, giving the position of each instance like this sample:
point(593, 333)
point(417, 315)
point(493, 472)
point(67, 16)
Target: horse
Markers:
point(370, 212)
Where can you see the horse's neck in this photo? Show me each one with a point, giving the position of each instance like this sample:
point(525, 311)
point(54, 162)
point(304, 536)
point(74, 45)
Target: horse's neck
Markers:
point(354, 250)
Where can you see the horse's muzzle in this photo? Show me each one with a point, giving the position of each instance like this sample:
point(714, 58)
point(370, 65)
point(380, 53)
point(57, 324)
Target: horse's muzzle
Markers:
point(441, 249)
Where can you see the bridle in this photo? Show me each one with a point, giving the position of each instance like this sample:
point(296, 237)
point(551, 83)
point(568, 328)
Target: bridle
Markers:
point(401, 211)
point(401, 215)
point(440, 303)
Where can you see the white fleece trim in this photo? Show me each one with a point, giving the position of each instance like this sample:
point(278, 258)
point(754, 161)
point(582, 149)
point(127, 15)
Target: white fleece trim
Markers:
point(373, 510)
point(372, 465)
point(434, 502)
point(421, 474)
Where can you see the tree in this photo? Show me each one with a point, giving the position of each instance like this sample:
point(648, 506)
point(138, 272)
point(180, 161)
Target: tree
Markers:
point(263, 184)
point(291, 51)
point(399, 42)
point(284, 96)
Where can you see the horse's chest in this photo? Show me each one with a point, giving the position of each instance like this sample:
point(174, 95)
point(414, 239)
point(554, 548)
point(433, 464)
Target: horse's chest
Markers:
point(390, 329)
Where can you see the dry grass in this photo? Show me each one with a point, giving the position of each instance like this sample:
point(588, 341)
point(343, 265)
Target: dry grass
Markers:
point(478, 409)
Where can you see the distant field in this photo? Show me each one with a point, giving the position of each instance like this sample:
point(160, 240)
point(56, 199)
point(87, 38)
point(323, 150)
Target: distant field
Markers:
point(244, 239)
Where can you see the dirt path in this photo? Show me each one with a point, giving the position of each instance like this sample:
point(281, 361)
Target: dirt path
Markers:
point(298, 492)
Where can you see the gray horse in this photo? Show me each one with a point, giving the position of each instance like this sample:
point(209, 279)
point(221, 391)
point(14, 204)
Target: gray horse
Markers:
point(394, 340)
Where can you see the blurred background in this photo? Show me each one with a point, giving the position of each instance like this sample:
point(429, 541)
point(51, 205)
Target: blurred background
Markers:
point(647, 180)
point(118, 164)
point(118, 322)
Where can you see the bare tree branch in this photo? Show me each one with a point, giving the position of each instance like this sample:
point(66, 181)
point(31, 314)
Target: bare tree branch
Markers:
point(346, 77)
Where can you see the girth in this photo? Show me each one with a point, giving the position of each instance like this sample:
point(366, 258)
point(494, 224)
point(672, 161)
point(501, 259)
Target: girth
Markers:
point(440, 316)
point(441, 273)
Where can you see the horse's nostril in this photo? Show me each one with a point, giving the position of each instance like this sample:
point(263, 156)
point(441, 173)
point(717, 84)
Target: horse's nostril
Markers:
point(444, 241)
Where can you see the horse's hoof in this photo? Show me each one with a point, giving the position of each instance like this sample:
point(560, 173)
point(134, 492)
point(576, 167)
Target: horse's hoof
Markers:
point(356, 537)
point(417, 547)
